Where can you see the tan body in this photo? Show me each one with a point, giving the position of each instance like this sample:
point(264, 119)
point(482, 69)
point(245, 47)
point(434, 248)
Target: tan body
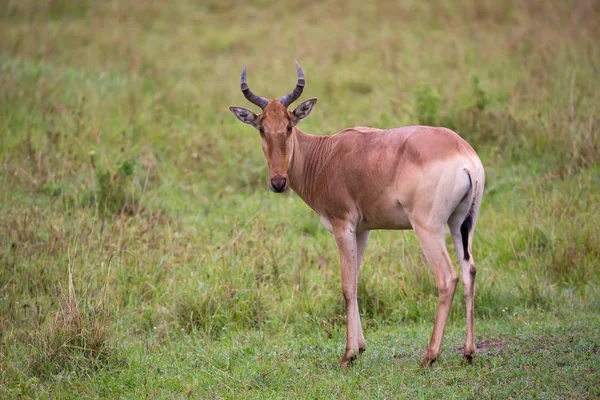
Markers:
point(360, 179)
point(374, 179)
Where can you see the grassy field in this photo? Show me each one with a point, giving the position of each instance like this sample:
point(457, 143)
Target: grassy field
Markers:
point(142, 254)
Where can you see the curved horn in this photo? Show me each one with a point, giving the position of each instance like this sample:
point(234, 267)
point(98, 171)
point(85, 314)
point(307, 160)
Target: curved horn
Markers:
point(252, 98)
point(290, 98)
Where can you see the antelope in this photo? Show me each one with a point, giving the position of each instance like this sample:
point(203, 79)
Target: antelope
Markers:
point(415, 177)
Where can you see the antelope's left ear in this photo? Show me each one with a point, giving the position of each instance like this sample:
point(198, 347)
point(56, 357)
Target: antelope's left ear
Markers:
point(303, 110)
point(245, 115)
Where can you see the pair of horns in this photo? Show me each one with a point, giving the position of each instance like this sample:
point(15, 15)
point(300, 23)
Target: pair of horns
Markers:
point(285, 100)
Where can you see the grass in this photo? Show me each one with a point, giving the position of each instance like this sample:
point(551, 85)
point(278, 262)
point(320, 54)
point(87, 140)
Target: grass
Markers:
point(142, 254)
point(516, 359)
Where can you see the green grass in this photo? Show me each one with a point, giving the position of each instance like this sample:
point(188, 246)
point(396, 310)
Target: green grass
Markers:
point(142, 255)
point(517, 358)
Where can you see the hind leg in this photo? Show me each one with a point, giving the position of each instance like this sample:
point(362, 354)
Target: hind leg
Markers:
point(432, 240)
point(468, 272)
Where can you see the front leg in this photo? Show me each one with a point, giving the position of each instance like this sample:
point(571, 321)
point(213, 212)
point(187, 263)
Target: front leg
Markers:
point(345, 238)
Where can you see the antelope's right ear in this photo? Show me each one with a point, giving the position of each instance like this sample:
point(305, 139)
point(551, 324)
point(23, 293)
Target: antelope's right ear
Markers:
point(245, 115)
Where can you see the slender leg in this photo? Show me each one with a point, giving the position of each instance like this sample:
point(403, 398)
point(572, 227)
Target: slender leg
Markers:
point(468, 272)
point(361, 239)
point(432, 242)
point(346, 242)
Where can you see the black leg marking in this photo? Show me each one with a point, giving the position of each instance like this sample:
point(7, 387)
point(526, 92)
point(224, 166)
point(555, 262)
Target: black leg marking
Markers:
point(465, 228)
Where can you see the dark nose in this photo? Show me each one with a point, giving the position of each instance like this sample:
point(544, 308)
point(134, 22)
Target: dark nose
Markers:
point(278, 183)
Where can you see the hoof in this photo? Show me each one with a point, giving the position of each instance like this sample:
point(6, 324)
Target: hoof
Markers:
point(469, 353)
point(348, 358)
point(427, 361)
point(469, 358)
point(361, 350)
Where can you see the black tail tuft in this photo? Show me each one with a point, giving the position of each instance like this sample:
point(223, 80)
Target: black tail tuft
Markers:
point(465, 228)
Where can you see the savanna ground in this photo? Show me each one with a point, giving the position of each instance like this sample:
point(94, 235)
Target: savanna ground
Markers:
point(142, 255)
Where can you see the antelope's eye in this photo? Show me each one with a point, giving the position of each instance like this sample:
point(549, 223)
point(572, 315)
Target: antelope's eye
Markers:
point(261, 130)
point(289, 128)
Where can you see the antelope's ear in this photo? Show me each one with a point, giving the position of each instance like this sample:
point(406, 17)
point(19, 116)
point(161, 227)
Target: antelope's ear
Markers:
point(303, 110)
point(245, 115)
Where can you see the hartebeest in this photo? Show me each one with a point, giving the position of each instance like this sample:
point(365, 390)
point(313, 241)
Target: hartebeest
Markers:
point(360, 179)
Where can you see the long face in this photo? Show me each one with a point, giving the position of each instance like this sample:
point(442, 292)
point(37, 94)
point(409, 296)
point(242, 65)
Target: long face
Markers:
point(276, 126)
point(276, 131)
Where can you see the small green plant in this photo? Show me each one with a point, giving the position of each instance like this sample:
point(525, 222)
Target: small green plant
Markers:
point(480, 97)
point(427, 105)
point(53, 189)
point(113, 187)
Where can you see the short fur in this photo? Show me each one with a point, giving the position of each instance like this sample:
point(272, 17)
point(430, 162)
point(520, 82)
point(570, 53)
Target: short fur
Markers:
point(360, 179)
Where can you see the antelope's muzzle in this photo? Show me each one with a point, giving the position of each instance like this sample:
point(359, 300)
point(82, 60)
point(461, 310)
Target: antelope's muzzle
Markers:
point(278, 183)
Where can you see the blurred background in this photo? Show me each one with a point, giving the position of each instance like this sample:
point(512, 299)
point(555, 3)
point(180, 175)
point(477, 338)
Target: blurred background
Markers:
point(135, 211)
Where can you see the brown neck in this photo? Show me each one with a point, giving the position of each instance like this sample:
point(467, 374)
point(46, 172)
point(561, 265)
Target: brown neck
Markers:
point(309, 158)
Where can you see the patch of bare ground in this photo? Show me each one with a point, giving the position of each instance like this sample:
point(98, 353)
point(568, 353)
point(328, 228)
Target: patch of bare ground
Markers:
point(497, 347)
point(494, 347)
